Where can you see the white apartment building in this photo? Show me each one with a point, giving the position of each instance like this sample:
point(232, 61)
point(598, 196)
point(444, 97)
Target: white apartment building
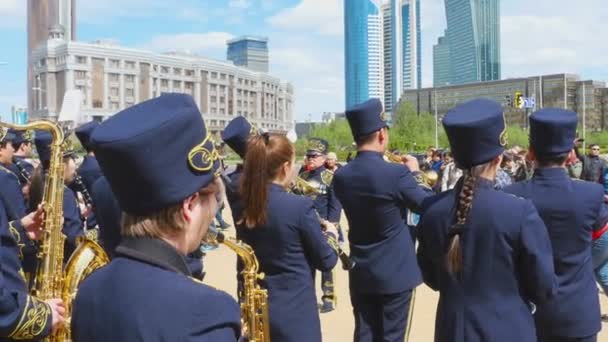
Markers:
point(112, 78)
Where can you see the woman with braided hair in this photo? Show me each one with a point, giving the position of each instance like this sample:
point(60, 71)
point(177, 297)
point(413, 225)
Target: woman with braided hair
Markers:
point(486, 252)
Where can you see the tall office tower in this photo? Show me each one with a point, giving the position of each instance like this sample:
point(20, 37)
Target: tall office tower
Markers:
point(402, 52)
point(441, 62)
point(474, 40)
point(363, 45)
point(42, 15)
point(250, 52)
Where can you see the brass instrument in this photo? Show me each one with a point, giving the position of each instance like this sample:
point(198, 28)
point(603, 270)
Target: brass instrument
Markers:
point(52, 279)
point(254, 305)
point(304, 188)
point(429, 178)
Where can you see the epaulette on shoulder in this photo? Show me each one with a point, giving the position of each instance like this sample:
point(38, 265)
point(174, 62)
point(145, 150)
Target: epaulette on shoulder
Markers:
point(327, 177)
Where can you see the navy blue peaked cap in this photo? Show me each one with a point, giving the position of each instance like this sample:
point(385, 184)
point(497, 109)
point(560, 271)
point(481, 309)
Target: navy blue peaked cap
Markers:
point(552, 131)
point(237, 133)
point(20, 136)
point(83, 133)
point(156, 153)
point(317, 146)
point(476, 131)
point(43, 142)
point(366, 118)
point(7, 135)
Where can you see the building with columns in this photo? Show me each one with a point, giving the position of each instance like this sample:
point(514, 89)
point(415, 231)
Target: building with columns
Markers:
point(112, 78)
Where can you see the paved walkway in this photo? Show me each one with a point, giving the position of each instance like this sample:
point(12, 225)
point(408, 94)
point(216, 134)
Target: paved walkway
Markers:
point(338, 325)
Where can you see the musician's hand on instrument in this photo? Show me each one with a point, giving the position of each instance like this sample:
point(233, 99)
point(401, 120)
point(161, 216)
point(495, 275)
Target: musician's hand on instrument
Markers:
point(411, 162)
point(57, 312)
point(330, 228)
point(32, 223)
point(85, 210)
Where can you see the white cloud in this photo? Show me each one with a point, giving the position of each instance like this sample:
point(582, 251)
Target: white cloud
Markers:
point(210, 44)
point(12, 14)
point(320, 16)
point(533, 45)
point(241, 4)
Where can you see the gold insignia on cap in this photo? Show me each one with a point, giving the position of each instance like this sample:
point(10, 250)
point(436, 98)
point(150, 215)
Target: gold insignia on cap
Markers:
point(28, 135)
point(503, 135)
point(68, 145)
point(316, 145)
point(254, 130)
point(3, 131)
point(202, 158)
point(383, 116)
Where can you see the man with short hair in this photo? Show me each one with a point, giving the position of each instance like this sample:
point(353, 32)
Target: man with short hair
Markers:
point(161, 163)
point(571, 210)
point(374, 194)
point(593, 165)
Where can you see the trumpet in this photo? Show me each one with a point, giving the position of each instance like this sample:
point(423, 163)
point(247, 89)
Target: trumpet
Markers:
point(429, 178)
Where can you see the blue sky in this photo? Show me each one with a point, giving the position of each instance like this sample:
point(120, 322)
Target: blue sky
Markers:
point(306, 38)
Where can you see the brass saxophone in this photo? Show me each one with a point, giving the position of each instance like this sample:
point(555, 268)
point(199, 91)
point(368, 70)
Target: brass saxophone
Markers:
point(429, 178)
point(254, 305)
point(52, 279)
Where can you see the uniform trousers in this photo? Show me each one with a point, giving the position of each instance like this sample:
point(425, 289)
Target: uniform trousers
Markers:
point(544, 338)
point(381, 317)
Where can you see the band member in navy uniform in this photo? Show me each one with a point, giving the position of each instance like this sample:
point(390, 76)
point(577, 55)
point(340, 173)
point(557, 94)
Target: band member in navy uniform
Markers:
point(571, 210)
point(284, 231)
point(374, 193)
point(88, 171)
point(326, 204)
point(236, 135)
point(107, 214)
point(72, 214)
point(23, 145)
point(161, 164)
point(486, 252)
point(22, 316)
point(13, 203)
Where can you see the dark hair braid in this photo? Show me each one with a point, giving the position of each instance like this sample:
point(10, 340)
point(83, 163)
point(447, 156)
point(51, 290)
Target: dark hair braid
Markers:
point(465, 202)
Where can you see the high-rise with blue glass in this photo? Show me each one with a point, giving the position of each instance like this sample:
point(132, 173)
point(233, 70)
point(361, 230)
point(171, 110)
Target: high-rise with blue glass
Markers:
point(395, 24)
point(363, 51)
point(473, 37)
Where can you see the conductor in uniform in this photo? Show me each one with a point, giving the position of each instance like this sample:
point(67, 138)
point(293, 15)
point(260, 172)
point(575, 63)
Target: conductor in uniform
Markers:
point(326, 204)
point(161, 165)
point(373, 193)
point(486, 252)
point(571, 210)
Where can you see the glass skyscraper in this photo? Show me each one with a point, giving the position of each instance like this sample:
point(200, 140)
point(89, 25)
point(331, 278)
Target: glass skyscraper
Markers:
point(363, 51)
point(250, 52)
point(396, 25)
point(473, 36)
point(441, 62)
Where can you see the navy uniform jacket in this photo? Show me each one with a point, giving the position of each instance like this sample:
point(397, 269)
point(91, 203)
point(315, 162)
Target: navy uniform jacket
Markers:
point(21, 316)
point(571, 210)
point(72, 221)
point(11, 199)
point(232, 193)
point(108, 215)
point(374, 193)
point(507, 263)
point(289, 248)
point(18, 163)
point(146, 294)
point(326, 203)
